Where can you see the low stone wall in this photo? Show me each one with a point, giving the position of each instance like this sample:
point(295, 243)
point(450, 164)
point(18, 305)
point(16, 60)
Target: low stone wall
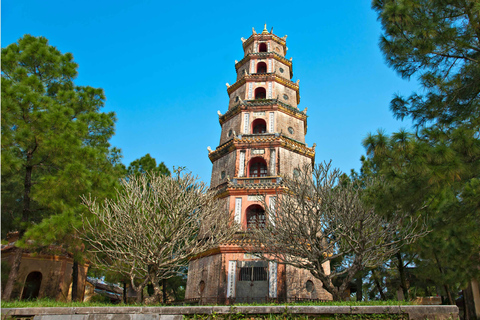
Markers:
point(176, 313)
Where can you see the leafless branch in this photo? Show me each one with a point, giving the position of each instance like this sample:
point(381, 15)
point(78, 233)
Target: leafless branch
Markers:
point(153, 226)
point(323, 225)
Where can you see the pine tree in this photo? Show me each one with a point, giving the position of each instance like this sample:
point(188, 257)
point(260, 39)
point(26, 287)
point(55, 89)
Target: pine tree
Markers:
point(434, 171)
point(147, 164)
point(54, 143)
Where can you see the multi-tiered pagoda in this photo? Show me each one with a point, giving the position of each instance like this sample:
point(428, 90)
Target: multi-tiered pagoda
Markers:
point(263, 138)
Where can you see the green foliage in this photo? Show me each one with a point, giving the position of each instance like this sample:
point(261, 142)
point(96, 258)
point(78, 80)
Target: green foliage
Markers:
point(233, 315)
point(434, 172)
point(54, 303)
point(54, 143)
point(50, 303)
point(438, 41)
point(147, 164)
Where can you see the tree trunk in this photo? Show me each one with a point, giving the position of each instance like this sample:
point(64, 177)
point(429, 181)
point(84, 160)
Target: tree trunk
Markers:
point(449, 295)
point(139, 292)
point(334, 291)
point(164, 290)
point(445, 286)
point(124, 292)
point(157, 294)
point(75, 280)
point(27, 184)
point(13, 275)
point(377, 284)
point(359, 284)
point(403, 282)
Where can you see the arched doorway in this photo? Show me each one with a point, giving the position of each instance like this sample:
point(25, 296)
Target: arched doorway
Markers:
point(258, 168)
point(31, 289)
point(260, 93)
point(255, 217)
point(262, 47)
point(259, 126)
point(261, 67)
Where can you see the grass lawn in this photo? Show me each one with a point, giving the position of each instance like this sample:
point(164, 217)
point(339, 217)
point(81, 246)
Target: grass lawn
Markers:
point(53, 303)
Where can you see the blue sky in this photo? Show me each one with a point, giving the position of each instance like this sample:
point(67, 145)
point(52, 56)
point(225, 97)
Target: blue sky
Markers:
point(164, 65)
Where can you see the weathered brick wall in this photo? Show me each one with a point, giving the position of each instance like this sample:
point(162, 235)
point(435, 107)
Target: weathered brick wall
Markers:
point(240, 93)
point(224, 164)
point(285, 121)
point(290, 160)
point(241, 71)
point(279, 90)
point(233, 124)
point(297, 285)
point(209, 270)
point(277, 65)
point(276, 47)
point(56, 275)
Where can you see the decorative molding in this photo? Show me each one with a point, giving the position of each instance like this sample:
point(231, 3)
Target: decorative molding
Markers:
point(273, 55)
point(238, 210)
point(271, 123)
point(246, 123)
point(265, 37)
point(261, 140)
point(271, 208)
point(272, 279)
point(264, 77)
point(254, 198)
point(232, 268)
point(241, 165)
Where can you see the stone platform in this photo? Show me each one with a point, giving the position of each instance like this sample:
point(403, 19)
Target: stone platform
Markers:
point(176, 313)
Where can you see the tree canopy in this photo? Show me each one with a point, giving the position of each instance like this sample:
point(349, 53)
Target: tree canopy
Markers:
point(153, 225)
point(435, 170)
point(55, 142)
point(147, 164)
point(324, 225)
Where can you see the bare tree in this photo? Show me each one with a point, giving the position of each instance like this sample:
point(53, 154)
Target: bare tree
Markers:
point(153, 226)
point(322, 225)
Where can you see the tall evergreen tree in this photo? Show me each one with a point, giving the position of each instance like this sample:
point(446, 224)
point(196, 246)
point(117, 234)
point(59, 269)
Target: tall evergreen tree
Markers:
point(147, 164)
point(54, 143)
point(434, 171)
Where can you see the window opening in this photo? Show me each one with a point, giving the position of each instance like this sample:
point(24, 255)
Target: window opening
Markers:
point(255, 217)
point(259, 126)
point(309, 285)
point(258, 167)
point(253, 274)
point(261, 67)
point(260, 93)
point(262, 47)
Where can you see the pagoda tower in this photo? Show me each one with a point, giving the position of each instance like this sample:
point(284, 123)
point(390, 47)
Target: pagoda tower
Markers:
point(262, 138)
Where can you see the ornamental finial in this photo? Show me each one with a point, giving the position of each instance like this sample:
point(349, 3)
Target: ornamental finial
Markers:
point(265, 31)
point(253, 30)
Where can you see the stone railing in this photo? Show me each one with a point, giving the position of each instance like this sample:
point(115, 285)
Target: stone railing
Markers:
point(178, 313)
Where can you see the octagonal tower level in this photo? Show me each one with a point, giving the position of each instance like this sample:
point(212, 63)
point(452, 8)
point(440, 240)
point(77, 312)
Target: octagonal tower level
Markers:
point(262, 138)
